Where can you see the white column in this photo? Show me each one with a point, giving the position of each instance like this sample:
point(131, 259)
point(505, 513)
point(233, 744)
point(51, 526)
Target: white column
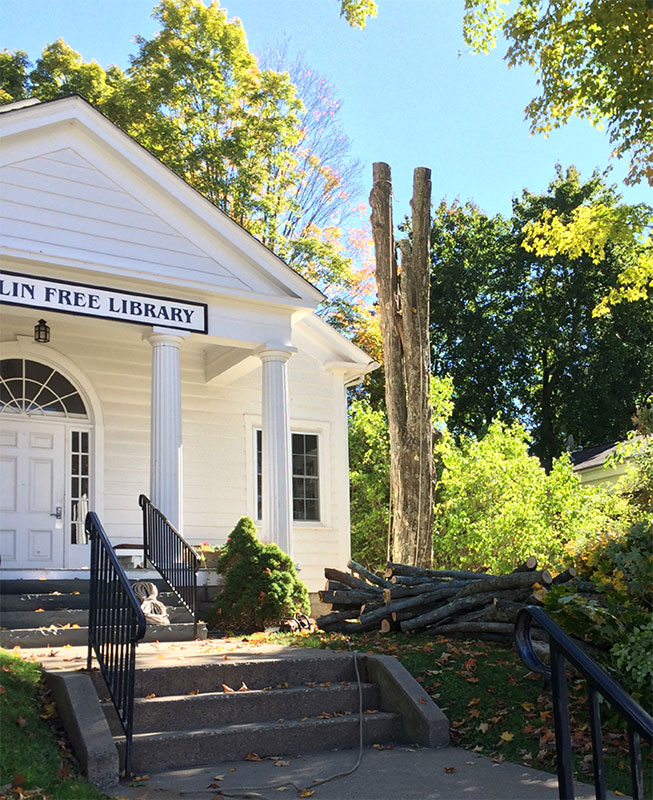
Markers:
point(276, 465)
point(165, 426)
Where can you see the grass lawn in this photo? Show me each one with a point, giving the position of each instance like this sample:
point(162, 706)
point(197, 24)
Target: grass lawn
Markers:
point(34, 758)
point(494, 704)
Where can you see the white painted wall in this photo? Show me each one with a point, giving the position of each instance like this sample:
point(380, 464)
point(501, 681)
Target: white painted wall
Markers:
point(217, 425)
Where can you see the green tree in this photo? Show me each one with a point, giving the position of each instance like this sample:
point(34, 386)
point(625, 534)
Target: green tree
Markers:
point(516, 331)
point(593, 59)
point(369, 483)
point(14, 81)
point(497, 506)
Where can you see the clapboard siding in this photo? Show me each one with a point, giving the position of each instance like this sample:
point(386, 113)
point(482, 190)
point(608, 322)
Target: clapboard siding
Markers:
point(65, 205)
point(218, 470)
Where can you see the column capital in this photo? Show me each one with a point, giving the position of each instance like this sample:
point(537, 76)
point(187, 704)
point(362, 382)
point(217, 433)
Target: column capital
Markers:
point(165, 336)
point(275, 353)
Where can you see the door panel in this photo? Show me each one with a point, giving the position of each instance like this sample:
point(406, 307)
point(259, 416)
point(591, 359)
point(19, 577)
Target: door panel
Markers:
point(32, 461)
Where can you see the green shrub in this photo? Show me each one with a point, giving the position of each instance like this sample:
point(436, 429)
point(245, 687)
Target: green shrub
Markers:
point(618, 616)
point(261, 585)
point(497, 505)
point(369, 483)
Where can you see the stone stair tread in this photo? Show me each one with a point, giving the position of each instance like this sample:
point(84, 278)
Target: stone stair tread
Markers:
point(257, 674)
point(191, 711)
point(279, 724)
point(60, 635)
point(234, 741)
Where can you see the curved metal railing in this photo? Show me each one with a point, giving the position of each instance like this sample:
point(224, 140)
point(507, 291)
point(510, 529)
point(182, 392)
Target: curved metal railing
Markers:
point(169, 553)
point(562, 649)
point(115, 626)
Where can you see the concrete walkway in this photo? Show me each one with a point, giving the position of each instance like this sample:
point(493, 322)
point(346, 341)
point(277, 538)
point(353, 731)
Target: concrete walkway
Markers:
point(403, 773)
point(400, 773)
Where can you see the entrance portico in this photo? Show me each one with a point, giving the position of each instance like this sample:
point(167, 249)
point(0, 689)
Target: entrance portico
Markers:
point(207, 379)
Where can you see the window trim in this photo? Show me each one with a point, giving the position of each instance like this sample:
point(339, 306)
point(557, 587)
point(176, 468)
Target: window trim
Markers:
point(312, 428)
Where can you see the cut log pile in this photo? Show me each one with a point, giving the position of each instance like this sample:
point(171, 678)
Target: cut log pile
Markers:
point(441, 602)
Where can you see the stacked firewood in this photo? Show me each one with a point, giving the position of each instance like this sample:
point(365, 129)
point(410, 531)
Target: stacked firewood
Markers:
point(442, 602)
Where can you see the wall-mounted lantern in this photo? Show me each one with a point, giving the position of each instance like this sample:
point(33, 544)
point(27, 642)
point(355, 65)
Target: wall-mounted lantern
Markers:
point(42, 332)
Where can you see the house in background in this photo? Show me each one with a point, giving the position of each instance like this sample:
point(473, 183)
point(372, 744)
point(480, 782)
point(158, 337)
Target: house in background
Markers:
point(590, 465)
point(185, 360)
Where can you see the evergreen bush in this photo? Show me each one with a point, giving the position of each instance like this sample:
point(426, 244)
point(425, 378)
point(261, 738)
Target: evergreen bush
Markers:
point(261, 585)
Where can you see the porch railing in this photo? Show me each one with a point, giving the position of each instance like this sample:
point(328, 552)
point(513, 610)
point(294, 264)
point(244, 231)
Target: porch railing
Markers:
point(563, 649)
point(115, 626)
point(171, 555)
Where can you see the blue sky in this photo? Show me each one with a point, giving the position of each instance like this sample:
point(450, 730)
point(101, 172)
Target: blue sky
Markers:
point(412, 95)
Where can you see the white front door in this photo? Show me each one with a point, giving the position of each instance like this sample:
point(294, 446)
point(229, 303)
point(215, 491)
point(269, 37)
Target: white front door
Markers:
point(32, 501)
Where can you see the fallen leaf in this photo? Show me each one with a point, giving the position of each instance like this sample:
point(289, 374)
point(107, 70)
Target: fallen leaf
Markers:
point(195, 691)
point(422, 700)
point(507, 737)
point(243, 687)
point(282, 788)
point(449, 769)
point(227, 689)
point(21, 722)
point(527, 706)
point(253, 757)
point(371, 711)
point(483, 727)
point(19, 779)
point(49, 710)
point(474, 701)
point(3, 690)
point(150, 696)
point(282, 763)
point(306, 793)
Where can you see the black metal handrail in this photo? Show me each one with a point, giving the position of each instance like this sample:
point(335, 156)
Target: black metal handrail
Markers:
point(171, 555)
point(562, 648)
point(115, 626)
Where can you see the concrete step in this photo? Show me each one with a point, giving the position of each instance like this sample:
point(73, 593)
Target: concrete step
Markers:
point(189, 712)
point(67, 616)
point(48, 602)
point(173, 749)
point(256, 674)
point(35, 586)
point(57, 636)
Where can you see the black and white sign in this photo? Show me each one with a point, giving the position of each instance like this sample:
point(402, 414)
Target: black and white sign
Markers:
point(99, 301)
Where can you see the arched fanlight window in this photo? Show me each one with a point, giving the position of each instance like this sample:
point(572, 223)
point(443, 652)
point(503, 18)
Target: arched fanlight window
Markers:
point(31, 388)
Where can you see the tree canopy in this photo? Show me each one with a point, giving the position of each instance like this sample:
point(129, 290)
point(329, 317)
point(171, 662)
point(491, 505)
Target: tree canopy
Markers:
point(593, 59)
point(515, 330)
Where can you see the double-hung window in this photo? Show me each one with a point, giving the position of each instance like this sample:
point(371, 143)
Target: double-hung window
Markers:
point(305, 476)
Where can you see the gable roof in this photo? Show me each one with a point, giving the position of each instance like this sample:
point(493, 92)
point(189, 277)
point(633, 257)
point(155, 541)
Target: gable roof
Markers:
point(104, 200)
point(588, 457)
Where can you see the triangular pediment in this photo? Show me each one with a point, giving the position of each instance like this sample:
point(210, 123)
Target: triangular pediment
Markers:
point(77, 189)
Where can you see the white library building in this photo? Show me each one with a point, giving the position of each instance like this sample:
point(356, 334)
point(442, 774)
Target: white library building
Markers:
point(150, 345)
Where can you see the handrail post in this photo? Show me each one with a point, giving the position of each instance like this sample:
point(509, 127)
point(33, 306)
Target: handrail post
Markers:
point(115, 626)
point(561, 722)
point(171, 555)
point(563, 649)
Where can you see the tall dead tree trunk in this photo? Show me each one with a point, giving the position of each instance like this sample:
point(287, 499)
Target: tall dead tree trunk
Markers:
point(404, 317)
